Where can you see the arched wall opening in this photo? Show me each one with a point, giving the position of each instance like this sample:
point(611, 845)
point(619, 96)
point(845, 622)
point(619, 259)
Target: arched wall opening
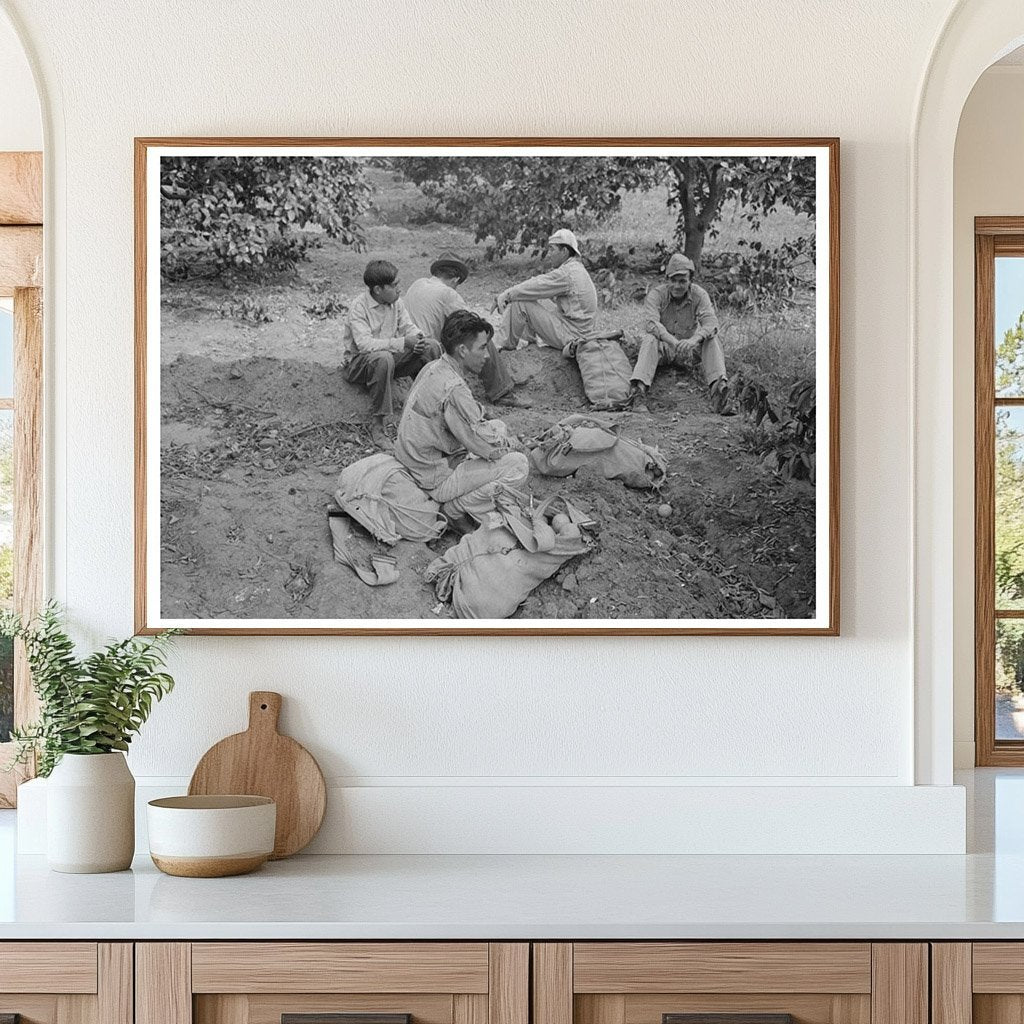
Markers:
point(989, 154)
point(976, 35)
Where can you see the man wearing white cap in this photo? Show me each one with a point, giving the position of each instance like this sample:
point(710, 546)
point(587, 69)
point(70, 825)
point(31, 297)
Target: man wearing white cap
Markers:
point(553, 308)
point(681, 326)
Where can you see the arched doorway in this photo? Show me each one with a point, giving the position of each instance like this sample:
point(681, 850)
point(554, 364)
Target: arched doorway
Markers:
point(977, 33)
point(21, 144)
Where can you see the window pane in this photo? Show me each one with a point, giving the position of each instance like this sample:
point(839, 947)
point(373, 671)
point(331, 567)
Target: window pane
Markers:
point(1009, 679)
point(1009, 338)
point(6, 567)
point(6, 353)
point(1009, 508)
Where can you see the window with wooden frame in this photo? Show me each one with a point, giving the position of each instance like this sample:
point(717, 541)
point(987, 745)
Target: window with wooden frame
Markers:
point(21, 364)
point(999, 490)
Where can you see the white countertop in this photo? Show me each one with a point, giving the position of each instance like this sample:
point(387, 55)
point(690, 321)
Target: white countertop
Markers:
point(517, 897)
point(977, 896)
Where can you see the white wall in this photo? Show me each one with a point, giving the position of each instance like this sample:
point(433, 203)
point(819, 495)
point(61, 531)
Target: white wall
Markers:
point(987, 182)
point(382, 713)
point(21, 127)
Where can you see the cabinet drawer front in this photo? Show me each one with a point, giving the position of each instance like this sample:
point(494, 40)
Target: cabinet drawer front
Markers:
point(269, 1009)
point(998, 967)
point(59, 967)
point(339, 967)
point(634, 967)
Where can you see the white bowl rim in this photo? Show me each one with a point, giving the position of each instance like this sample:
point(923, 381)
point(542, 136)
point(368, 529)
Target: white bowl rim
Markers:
point(212, 802)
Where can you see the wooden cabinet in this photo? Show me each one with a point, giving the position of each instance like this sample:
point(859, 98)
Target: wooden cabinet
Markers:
point(306, 982)
point(756, 982)
point(66, 982)
point(978, 983)
point(512, 983)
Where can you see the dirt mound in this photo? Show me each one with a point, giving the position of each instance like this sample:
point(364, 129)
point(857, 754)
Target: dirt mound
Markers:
point(251, 450)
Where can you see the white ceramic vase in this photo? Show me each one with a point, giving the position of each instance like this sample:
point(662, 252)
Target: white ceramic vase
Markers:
point(90, 814)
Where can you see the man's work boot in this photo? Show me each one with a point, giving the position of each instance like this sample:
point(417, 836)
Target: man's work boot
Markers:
point(379, 436)
point(637, 399)
point(510, 400)
point(721, 400)
point(458, 521)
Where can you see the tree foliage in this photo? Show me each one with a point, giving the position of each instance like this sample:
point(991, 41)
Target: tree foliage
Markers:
point(1009, 474)
point(247, 212)
point(88, 705)
point(518, 201)
point(699, 187)
point(1010, 360)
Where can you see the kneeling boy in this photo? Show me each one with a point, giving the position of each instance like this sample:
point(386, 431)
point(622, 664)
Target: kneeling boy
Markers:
point(452, 452)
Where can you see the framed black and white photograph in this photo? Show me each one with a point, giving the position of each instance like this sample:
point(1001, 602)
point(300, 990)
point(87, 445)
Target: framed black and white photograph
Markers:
point(443, 386)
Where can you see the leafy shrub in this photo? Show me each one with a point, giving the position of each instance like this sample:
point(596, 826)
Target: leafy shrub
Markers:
point(246, 308)
point(326, 306)
point(245, 213)
point(786, 444)
point(761, 276)
point(88, 705)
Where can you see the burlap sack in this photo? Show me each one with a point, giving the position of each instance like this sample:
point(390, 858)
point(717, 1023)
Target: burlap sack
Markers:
point(605, 371)
point(581, 440)
point(378, 493)
point(488, 575)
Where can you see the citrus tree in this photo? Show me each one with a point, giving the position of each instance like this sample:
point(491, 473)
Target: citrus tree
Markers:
point(246, 213)
point(517, 201)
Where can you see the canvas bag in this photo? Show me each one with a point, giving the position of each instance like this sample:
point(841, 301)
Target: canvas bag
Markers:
point(488, 574)
point(605, 371)
point(379, 494)
point(580, 440)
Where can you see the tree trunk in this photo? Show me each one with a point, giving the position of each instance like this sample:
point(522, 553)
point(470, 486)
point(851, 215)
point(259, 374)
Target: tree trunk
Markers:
point(694, 246)
point(692, 225)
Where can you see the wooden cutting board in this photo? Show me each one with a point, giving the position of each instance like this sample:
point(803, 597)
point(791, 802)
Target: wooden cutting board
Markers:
point(262, 762)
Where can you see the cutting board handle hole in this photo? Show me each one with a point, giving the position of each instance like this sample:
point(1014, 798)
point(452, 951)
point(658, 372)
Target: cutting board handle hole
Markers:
point(263, 707)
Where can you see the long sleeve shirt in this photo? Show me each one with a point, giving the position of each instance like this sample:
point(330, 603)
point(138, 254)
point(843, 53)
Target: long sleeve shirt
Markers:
point(571, 288)
point(429, 300)
point(692, 316)
point(372, 326)
point(440, 424)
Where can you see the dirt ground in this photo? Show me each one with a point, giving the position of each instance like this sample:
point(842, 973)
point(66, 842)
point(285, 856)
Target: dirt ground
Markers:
point(258, 421)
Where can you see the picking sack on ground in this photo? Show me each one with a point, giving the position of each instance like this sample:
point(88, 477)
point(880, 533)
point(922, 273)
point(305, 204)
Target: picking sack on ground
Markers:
point(490, 572)
point(379, 494)
point(604, 368)
point(581, 440)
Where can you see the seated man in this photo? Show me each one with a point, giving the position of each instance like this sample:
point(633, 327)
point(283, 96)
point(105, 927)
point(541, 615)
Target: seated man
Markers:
point(430, 299)
point(681, 324)
point(453, 453)
point(531, 315)
point(381, 343)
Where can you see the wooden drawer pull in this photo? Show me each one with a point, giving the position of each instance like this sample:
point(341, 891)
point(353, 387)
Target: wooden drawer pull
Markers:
point(727, 1018)
point(339, 1018)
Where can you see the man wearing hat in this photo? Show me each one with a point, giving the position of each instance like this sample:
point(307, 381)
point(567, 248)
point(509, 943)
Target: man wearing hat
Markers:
point(681, 326)
point(430, 299)
point(553, 308)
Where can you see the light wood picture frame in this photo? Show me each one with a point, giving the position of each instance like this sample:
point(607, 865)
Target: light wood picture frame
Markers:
point(243, 397)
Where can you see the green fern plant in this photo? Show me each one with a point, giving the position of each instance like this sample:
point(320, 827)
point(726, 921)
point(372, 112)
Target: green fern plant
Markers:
point(90, 705)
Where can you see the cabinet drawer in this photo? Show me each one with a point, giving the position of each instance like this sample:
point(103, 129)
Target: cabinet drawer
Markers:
point(340, 967)
point(65, 967)
point(981, 982)
point(332, 983)
point(66, 982)
point(634, 967)
point(730, 983)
